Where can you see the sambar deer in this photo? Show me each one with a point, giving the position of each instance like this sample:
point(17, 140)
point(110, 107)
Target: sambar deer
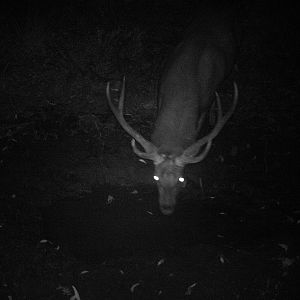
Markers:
point(187, 89)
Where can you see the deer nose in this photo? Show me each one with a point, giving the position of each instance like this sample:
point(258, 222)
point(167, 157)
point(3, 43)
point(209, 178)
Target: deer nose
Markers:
point(167, 209)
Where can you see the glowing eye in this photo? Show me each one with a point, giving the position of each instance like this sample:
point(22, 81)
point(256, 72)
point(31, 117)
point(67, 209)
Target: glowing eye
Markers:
point(156, 177)
point(181, 179)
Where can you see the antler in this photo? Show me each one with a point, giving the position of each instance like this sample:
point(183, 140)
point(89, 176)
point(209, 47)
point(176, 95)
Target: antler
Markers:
point(150, 149)
point(189, 154)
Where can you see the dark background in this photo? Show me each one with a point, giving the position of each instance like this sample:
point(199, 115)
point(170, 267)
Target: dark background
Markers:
point(73, 196)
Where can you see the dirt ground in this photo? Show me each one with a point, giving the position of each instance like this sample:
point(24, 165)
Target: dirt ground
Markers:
point(79, 216)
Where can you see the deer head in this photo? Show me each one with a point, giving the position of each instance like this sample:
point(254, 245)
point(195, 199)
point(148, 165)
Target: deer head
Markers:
point(169, 165)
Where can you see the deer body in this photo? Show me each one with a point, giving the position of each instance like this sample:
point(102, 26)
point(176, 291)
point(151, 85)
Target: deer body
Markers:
point(187, 90)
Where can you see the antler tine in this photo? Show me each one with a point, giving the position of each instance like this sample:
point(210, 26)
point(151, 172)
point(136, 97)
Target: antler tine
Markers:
point(219, 106)
point(188, 155)
point(122, 96)
point(118, 112)
point(183, 159)
point(200, 122)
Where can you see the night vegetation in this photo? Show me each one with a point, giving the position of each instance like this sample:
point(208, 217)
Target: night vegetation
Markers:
point(78, 211)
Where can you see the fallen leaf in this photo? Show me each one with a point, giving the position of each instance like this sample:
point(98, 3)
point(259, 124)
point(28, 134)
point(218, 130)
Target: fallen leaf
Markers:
point(188, 291)
point(134, 192)
point(284, 247)
point(134, 286)
point(110, 199)
point(160, 262)
point(84, 272)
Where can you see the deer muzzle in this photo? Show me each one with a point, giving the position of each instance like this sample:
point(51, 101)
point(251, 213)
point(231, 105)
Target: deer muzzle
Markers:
point(167, 200)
